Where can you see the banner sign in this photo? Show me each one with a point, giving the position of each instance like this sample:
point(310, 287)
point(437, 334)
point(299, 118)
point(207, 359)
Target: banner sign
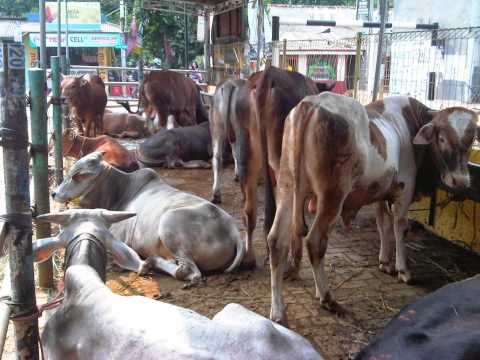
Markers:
point(81, 16)
point(363, 10)
point(80, 40)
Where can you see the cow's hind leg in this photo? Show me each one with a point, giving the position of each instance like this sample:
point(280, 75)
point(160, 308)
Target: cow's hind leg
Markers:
point(181, 268)
point(218, 142)
point(386, 233)
point(328, 210)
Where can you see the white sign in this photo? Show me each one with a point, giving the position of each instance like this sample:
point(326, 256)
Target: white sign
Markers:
point(16, 56)
point(363, 10)
point(200, 28)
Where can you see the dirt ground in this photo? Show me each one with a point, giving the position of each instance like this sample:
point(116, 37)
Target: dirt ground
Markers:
point(370, 296)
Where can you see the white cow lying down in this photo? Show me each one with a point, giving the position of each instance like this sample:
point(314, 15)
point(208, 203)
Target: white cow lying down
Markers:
point(94, 323)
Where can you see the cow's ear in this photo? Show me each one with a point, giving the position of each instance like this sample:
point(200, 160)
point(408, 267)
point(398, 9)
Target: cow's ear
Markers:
point(44, 248)
point(424, 135)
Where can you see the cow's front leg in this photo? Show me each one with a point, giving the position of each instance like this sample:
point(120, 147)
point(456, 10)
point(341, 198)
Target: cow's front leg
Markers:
point(386, 232)
point(180, 268)
point(400, 212)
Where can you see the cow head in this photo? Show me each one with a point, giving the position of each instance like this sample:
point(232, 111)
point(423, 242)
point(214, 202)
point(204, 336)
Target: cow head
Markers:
point(82, 178)
point(450, 136)
point(95, 222)
point(74, 87)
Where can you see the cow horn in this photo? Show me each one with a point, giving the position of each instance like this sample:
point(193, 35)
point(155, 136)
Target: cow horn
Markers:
point(432, 112)
point(57, 218)
point(116, 216)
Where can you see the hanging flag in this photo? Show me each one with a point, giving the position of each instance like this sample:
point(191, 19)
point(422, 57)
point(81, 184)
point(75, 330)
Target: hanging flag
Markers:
point(134, 40)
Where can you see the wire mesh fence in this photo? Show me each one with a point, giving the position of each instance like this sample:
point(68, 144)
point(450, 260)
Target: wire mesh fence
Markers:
point(438, 67)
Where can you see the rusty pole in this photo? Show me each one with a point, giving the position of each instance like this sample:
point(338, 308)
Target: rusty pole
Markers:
point(13, 124)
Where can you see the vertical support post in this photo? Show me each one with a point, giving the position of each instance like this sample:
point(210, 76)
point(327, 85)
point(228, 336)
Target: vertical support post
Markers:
point(260, 16)
point(275, 28)
point(67, 51)
point(43, 38)
point(65, 68)
point(284, 62)
point(376, 83)
point(57, 119)
point(38, 127)
point(358, 57)
point(13, 121)
point(123, 52)
point(185, 38)
point(59, 27)
point(206, 47)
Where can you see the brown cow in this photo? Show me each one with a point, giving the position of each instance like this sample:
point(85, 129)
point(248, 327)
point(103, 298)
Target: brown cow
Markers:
point(348, 156)
point(277, 92)
point(172, 99)
point(77, 146)
point(87, 99)
point(122, 125)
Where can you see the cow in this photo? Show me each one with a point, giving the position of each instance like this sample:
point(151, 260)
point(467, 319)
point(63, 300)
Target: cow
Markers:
point(87, 99)
point(169, 99)
point(443, 325)
point(94, 323)
point(77, 146)
point(177, 232)
point(232, 120)
point(348, 156)
point(189, 147)
point(276, 93)
point(124, 125)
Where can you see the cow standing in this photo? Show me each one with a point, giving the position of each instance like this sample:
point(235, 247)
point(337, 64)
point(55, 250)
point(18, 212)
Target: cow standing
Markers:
point(170, 99)
point(348, 156)
point(87, 99)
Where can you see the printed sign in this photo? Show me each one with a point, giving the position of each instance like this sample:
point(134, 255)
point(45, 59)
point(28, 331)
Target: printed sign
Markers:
point(81, 15)
point(363, 10)
point(80, 40)
point(15, 56)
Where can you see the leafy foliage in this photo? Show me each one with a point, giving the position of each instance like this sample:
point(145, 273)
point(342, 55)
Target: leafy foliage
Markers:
point(17, 7)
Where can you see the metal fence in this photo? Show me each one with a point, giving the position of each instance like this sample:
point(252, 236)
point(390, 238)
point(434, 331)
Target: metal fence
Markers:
point(438, 67)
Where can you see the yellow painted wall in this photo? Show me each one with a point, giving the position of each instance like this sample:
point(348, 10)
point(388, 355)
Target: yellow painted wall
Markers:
point(455, 221)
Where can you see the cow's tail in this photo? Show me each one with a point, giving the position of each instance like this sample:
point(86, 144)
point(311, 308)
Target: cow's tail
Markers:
point(263, 95)
point(240, 250)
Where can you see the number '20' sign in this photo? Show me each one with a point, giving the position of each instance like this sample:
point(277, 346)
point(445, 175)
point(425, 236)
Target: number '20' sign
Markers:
point(15, 56)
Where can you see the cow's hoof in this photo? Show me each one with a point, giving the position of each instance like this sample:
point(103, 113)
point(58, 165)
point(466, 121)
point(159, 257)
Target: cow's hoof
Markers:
point(291, 272)
point(328, 303)
point(236, 178)
point(387, 268)
point(279, 318)
point(197, 281)
point(216, 199)
point(144, 268)
point(404, 276)
point(249, 262)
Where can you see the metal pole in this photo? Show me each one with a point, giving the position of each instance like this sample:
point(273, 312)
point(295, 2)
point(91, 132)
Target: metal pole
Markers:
point(59, 28)
point(4, 309)
point(57, 119)
point(67, 51)
point(284, 62)
point(13, 124)
point(206, 47)
point(38, 129)
point(123, 52)
point(43, 41)
point(260, 16)
point(376, 81)
point(356, 75)
point(186, 34)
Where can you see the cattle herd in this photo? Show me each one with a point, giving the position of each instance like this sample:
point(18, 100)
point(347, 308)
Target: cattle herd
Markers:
point(322, 156)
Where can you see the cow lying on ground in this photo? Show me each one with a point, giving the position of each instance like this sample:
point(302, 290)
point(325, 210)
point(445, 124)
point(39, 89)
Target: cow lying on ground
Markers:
point(233, 120)
point(348, 156)
point(444, 325)
point(87, 99)
point(188, 146)
point(94, 323)
point(77, 146)
point(124, 125)
point(179, 233)
point(170, 98)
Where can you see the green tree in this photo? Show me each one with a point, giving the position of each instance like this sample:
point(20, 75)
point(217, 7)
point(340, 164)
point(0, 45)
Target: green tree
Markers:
point(17, 7)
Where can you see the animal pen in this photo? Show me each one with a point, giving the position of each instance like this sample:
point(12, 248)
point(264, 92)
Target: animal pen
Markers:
point(439, 67)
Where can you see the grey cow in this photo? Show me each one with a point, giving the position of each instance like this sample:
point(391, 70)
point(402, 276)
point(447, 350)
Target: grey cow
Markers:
point(177, 232)
point(94, 323)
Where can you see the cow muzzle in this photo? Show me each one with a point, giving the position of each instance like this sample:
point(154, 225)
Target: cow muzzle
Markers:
point(456, 180)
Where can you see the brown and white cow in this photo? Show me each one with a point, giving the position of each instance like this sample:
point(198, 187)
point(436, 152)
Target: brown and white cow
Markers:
point(87, 99)
point(277, 92)
point(172, 99)
point(347, 156)
point(77, 146)
point(124, 125)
